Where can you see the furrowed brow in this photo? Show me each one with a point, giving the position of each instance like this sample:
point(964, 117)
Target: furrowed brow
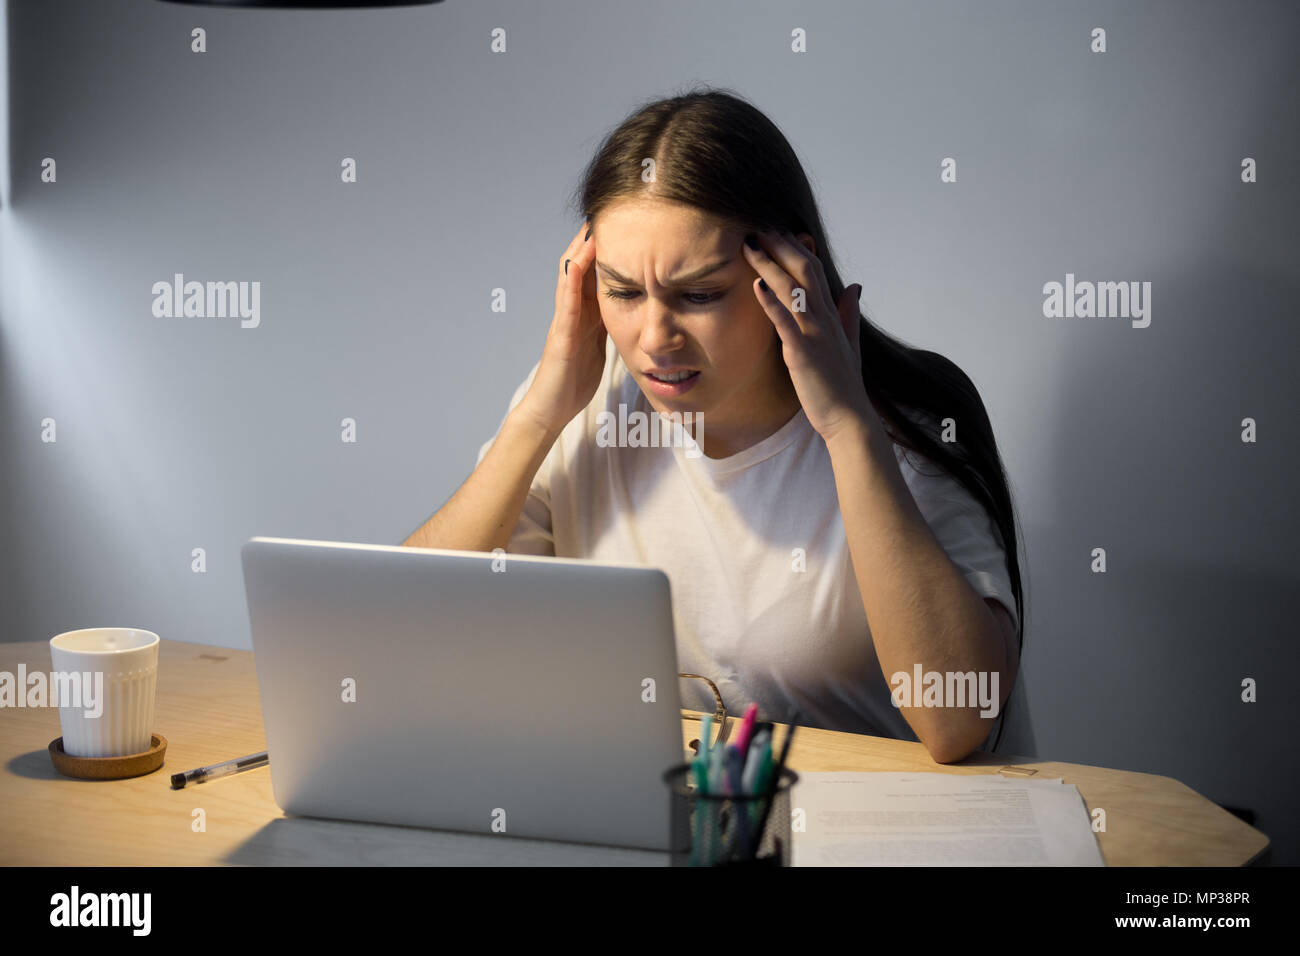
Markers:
point(675, 281)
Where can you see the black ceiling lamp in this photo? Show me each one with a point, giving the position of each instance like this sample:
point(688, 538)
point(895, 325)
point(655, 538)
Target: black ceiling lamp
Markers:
point(306, 4)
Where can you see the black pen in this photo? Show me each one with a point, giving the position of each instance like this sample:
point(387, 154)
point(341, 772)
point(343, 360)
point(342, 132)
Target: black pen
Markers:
point(225, 769)
point(772, 788)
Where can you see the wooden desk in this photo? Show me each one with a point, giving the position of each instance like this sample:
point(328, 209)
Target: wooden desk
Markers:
point(208, 709)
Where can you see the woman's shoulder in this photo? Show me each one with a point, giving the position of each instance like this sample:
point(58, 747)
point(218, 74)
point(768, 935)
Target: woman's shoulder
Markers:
point(907, 454)
point(943, 498)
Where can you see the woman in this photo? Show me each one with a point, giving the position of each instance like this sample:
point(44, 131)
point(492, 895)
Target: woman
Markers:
point(818, 534)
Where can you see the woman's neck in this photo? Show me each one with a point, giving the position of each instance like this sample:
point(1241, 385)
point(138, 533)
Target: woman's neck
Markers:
point(756, 420)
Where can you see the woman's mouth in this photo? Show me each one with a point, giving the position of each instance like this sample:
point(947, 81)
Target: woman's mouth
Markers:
point(671, 381)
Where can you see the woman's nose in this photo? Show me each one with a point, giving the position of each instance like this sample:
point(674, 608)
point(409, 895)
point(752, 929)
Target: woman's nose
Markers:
point(659, 331)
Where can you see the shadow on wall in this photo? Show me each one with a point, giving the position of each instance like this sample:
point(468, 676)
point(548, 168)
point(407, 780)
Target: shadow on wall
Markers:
point(1018, 737)
point(13, 418)
point(1145, 662)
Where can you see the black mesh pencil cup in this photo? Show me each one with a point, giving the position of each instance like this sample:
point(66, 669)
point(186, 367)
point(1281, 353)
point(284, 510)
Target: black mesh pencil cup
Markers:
point(718, 830)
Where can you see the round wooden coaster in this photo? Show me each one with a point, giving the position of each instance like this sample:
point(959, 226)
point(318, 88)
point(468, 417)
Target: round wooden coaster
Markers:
point(109, 768)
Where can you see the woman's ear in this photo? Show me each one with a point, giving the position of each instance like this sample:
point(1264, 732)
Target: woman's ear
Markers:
point(809, 242)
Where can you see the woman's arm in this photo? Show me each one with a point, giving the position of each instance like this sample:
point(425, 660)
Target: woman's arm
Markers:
point(483, 512)
point(920, 607)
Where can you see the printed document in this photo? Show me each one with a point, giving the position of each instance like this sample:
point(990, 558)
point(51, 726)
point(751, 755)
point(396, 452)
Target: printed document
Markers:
point(939, 819)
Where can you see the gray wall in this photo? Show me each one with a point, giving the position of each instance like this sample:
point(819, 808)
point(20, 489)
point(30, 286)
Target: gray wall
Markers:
point(1125, 165)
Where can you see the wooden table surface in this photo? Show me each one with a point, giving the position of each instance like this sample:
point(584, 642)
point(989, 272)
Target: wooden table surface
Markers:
point(209, 711)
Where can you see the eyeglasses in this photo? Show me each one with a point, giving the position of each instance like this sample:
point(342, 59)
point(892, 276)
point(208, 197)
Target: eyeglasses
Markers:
point(719, 735)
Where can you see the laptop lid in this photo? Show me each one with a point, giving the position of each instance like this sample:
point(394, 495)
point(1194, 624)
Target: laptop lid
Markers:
point(509, 694)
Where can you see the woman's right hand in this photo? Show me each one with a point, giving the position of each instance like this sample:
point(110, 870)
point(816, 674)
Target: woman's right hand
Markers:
point(574, 356)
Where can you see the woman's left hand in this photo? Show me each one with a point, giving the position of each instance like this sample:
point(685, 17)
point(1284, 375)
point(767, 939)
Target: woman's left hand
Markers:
point(819, 340)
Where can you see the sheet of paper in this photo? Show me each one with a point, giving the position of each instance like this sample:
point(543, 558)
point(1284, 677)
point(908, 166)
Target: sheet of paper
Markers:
point(939, 819)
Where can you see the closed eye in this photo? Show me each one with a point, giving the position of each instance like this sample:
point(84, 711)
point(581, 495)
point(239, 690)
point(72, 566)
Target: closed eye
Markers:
point(695, 298)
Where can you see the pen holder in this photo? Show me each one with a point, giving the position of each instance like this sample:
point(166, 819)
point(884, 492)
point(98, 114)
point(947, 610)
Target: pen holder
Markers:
point(718, 830)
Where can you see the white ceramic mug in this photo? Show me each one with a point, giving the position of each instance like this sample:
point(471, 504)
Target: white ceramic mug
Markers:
point(127, 657)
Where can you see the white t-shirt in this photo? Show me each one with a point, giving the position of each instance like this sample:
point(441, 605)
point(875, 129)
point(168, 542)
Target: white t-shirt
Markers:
point(725, 531)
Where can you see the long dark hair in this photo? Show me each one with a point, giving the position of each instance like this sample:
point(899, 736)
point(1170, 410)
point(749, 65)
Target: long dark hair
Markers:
point(716, 152)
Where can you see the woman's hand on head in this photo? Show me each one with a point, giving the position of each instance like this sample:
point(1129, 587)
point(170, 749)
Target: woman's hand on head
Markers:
point(574, 355)
point(819, 336)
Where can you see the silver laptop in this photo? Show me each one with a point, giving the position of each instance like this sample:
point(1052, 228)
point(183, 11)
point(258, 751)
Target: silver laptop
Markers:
point(517, 695)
